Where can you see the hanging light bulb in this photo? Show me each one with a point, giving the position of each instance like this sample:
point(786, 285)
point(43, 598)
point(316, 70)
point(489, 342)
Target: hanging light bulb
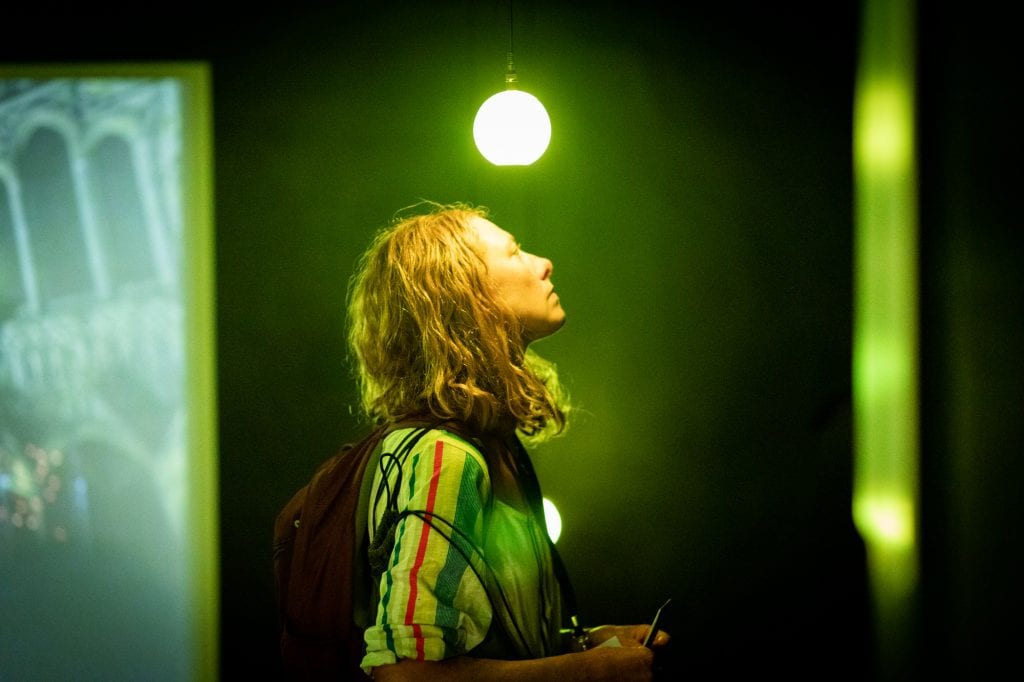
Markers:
point(512, 127)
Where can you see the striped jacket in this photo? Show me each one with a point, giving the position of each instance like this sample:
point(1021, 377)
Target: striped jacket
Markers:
point(468, 574)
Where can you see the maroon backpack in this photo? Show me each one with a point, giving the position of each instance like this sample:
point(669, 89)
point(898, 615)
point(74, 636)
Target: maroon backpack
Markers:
point(315, 544)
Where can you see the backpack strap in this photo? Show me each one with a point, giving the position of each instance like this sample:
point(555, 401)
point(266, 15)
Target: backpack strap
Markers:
point(364, 587)
point(535, 499)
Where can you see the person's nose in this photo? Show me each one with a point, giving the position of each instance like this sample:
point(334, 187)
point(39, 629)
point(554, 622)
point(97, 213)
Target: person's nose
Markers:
point(546, 266)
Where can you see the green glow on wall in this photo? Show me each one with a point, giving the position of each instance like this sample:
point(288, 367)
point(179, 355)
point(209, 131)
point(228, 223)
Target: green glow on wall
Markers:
point(885, 343)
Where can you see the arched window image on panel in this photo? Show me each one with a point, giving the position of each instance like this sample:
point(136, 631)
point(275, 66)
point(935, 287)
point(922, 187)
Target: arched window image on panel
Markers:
point(12, 293)
point(118, 211)
point(108, 517)
point(52, 216)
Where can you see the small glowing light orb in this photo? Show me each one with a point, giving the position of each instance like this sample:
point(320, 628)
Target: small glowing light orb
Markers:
point(553, 518)
point(512, 128)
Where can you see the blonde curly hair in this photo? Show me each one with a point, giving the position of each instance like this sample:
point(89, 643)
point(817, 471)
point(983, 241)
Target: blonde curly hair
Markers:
point(429, 336)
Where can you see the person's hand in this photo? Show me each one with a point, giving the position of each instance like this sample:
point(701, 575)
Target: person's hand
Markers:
point(629, 635)
point(638, 662)
point(633, 663)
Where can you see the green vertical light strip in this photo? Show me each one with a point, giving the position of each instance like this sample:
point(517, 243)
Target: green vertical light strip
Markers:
point(200, 323)
point(885, 338)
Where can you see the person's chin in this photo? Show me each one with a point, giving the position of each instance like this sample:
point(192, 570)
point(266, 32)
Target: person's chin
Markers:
point(548, 330)
point(556, 325)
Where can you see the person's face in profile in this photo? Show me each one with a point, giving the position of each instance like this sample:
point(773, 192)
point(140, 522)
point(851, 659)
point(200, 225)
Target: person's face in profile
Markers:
point(522, 279)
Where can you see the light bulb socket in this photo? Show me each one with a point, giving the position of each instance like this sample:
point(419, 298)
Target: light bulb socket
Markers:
point(511, 79)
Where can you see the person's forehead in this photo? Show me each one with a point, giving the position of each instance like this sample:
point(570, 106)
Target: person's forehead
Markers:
point(489, 232)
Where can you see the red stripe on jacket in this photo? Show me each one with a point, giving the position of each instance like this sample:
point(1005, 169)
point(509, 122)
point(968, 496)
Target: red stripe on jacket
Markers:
point(421, 551)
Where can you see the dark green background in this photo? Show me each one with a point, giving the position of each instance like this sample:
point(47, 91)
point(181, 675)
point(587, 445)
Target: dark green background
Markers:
point(696, 200)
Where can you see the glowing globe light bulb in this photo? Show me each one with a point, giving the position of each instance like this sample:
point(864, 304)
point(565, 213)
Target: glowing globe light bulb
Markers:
point(553, 520)
point(512, 128)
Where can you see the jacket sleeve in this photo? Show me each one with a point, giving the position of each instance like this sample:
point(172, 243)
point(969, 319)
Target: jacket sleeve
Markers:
point(432, 603)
